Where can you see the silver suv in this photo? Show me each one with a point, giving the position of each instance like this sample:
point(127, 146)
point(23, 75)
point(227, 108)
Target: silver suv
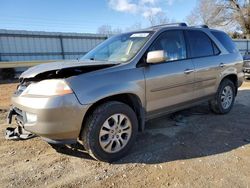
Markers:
point(105, 98)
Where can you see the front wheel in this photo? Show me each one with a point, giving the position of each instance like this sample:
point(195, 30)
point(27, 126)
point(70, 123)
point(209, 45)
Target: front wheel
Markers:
point(110, 131)
point(224, 99)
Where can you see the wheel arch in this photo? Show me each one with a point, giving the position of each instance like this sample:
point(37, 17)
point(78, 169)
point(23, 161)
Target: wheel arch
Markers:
point(234, 79)
point(128, 98)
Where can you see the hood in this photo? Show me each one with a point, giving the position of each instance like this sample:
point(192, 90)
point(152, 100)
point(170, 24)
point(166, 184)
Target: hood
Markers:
point(64, 68)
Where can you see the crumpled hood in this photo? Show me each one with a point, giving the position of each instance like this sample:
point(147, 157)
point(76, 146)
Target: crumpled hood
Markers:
point(54, 66)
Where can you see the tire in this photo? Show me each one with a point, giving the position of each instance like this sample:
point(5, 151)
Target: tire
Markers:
point(218, 104)
point(102, 139)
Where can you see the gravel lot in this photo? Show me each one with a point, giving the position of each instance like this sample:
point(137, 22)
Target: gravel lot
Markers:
point(209, 151)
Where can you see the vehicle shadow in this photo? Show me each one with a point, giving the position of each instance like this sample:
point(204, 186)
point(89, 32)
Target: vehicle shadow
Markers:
point(76, 150)
point(203, 134)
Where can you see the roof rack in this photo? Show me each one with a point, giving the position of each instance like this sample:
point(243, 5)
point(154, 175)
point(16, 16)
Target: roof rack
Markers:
point(170, 25)
point(200, 26)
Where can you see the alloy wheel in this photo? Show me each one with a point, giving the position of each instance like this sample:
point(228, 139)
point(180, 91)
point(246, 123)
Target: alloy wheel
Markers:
point(115, 133)
point(227, 97)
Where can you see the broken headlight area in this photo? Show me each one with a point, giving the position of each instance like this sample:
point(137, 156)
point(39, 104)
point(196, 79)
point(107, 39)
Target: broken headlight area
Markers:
point(20, 88)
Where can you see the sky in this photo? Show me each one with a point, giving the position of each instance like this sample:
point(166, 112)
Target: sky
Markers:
point(86, 16)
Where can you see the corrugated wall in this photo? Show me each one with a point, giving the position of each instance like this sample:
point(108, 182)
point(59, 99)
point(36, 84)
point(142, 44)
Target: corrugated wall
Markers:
point(243, 45)
point(28, 46)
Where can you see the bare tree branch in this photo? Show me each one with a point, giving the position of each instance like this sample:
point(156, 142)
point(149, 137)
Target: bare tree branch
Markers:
point(157, 19)
point(223, 13)
point(108, 30)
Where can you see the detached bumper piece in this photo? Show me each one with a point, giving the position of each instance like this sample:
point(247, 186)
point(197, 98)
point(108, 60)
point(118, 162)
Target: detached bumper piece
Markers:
point(17, 133)
point(19, 116)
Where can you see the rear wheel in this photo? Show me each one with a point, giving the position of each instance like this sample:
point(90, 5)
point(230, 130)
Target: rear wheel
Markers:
point(110, 131)
point(224, 99)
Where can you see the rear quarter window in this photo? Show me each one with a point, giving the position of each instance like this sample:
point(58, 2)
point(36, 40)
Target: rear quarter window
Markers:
point(226, 41)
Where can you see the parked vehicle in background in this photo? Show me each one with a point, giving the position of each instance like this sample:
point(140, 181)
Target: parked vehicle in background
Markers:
point(246, 65)
point(105, 98)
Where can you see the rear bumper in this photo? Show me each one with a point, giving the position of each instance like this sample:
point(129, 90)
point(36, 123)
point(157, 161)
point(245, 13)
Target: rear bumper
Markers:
point(56, 118)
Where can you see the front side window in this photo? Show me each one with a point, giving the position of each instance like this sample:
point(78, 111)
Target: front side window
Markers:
point(173, 45)
point(120, 48)
point(200, 44)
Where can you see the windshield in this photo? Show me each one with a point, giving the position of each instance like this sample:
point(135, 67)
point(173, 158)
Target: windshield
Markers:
point(119, 48)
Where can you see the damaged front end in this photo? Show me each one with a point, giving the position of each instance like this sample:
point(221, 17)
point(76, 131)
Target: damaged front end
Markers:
point(45, 105)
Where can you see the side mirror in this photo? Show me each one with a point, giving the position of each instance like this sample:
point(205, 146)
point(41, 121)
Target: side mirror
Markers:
point(157, 56)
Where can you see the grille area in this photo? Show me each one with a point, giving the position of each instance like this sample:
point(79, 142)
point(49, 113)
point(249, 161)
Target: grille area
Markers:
point(20, 89)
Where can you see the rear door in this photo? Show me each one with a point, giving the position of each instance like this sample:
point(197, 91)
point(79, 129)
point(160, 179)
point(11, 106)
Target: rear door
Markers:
point(207, 62)
point(169, 83)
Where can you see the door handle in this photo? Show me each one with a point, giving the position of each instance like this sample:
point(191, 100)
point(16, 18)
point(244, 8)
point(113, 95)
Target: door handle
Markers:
point(188, 71)
point(221, 65)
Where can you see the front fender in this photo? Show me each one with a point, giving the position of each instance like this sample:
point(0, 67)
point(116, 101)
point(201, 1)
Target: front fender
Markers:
point(90, 88)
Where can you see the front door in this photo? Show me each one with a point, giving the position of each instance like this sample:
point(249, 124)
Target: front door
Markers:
point(172, 82)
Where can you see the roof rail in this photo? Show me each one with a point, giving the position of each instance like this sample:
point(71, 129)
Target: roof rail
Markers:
point(200, 26)
point(170, 25)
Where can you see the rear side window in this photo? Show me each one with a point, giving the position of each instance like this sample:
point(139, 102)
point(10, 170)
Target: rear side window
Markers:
point(200, 44)
point(226, 41)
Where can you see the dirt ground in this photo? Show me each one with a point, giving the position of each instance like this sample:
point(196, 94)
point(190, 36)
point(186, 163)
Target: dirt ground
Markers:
point(209, 151)
point(5, 94)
